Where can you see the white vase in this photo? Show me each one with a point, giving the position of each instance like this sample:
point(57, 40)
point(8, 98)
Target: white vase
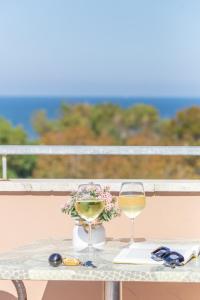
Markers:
point(80, 236)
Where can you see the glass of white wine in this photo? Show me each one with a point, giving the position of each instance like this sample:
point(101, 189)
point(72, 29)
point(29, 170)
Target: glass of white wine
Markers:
point(89, 206)
point(132, 201)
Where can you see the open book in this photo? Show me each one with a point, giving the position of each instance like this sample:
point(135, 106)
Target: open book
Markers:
point(140, 252)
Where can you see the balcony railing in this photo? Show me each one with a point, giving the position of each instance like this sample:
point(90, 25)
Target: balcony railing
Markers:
point(6, 150)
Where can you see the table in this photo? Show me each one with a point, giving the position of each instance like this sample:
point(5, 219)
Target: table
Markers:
point(31, 263)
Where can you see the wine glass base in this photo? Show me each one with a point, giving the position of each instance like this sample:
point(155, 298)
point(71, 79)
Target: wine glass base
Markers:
point(89, 254)
point(89, 250)
point(129, 244)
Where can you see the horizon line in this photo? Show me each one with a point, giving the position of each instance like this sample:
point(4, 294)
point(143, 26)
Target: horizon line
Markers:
point(103, 97)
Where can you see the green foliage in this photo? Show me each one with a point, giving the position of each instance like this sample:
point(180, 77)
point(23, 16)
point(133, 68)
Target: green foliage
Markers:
point(107, 124)
point(75, 115)
point(10, 134)
point(141, 116)
point(20, 166)
point(107, 118)
point(41, 123)
point(185, 127)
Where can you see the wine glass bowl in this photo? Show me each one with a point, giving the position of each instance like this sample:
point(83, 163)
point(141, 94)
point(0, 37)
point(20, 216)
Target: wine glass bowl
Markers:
point(89, 210)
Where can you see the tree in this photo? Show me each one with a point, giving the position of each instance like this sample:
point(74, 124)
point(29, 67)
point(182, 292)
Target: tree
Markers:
point(110, 124)
point(141, 116)
point(21, 166)
point(185, 127)
point(41, 123)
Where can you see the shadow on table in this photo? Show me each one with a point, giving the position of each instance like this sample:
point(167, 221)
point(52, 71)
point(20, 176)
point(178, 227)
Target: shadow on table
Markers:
point(74, 290)
point(7, 296)
point(125, 240)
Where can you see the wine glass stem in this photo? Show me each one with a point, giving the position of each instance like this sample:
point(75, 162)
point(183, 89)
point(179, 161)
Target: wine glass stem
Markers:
point(90, 237)
point(132, 230)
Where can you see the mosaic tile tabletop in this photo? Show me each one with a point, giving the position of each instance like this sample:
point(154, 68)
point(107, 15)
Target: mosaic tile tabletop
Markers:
point(31, 263)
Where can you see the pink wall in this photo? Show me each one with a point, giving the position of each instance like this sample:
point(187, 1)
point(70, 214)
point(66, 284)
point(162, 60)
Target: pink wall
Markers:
point(26, 217)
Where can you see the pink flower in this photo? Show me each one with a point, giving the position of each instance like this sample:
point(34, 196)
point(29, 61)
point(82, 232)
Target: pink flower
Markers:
point(109, 206)
point(106, 196)
point(66, 205)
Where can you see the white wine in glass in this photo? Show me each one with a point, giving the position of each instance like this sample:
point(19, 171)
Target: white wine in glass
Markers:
point(132, 201)
point(89, 210)
point(89, 206)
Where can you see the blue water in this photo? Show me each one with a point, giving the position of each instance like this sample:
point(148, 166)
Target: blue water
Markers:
point(19, 110)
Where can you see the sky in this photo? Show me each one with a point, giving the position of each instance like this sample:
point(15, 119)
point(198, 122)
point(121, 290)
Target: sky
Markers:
point(100, 48)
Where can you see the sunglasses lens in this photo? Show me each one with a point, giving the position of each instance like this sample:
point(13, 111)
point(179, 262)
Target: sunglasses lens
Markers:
point(173, 258)
point(159, 253)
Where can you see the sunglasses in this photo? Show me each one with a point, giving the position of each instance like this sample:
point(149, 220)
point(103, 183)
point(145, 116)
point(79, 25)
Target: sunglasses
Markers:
point(170, 258)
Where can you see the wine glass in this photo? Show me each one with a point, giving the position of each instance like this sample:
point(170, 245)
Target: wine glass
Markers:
point(132, 202)
point(89, 206)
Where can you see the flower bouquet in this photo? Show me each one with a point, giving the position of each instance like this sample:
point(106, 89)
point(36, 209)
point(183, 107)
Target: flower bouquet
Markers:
point(88, 233)
point(110, 211)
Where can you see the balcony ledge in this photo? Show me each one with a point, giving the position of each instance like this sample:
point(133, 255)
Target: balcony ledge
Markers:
point(67, 185)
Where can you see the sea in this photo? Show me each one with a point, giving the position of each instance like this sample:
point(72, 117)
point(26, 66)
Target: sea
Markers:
point(20, 110)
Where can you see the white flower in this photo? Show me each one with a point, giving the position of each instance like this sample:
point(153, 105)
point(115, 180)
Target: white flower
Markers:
point(109, 206)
